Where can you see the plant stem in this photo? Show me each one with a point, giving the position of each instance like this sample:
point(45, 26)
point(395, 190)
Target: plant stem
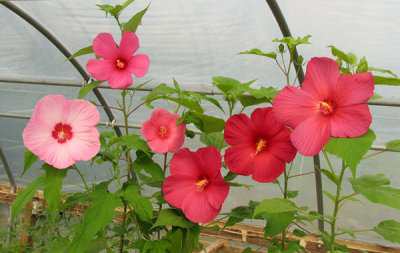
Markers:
point(83, 178)
point(285, 193)
point(377, 153)
point(160, 205)
point(336, 209)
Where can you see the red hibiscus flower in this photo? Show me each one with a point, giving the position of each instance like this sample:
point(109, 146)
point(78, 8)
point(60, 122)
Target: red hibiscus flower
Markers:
point(196, 185)
point(161, 132)
point(326, 105)
point(118, 63)
point(260, 145)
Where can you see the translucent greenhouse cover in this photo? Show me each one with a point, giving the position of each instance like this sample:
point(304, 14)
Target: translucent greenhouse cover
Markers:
point(192, 41)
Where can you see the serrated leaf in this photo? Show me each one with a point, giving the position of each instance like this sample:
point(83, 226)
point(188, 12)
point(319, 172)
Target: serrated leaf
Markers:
point(87, 88)
point(264, 92)
point(209, 124)
point(53, 186)
point(229, 85)
point(159, 246)
point(249, 100)
point(215, 139)
point(292, 42)
point(24, 196)
point(275, 205)
point(144, 162)
point(30, 159)
point(393, 145)
point(351, 150)
point(80, 197)
point(141, 205)
point(82, 51)
point(169, 217)
point(209, 99)
point(134, 142)
point(386, 80)
point(135, 21)
point(257, 51)
point(350, 58)
point(277, 222)
point(389, 229)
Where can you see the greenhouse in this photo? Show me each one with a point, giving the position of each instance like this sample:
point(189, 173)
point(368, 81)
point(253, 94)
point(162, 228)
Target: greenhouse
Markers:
point(199, 126)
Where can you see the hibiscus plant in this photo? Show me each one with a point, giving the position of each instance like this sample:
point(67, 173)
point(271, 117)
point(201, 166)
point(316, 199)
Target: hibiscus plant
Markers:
point(325, 114)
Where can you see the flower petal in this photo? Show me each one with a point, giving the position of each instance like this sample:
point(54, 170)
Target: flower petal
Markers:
point(82, 116)
point(105, 47)
point(186, 163)
point(321, 77)
point(138, 65)
point(176, 188)
point(293, 106)
point(59, 109)
point(354, 89)
point(56, 154)
point(84, 145)
point(351, 121)
point(267, 168)
point(265, 122)
point(197, 208)
point(176, 137)
point(217, 191)
point(158, 145)
point(211, 161)
point(239, 129)
point(128, 45)
point(120, 79)
point(281, 146)
point(101, 69)
point(311, 136)
point(240, 158)
point(36, 134)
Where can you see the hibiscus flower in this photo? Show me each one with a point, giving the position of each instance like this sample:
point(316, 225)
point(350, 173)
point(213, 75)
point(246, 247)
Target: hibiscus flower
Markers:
point(259, 146)
point(161, 132)
point(118, 63)
point(62, 131)
point(326, 105)
point(196, 185)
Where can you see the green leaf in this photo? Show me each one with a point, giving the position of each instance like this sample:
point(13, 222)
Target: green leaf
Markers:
point(257, 51)
point(393, 145)
point(350, 58)
point(134, 142)
point(209, 99)
point(292, 42)
point(169, 217)
point(106, 8)
point(249, 100)
point(215, 139)
point(176, 238)
point(372, 187)
point(80, 197)
point(160, 90)
point(275, 205)
point(52, 187)
point(382, 71)
point(329, 175)
point(386, 80)
point(347, 231)
point(235, 184)
point(159, 246)
point(209, 124)
point(299, 233)
point(329, 195)
point(362, 66)
point(82, 51)
point(24, 196)
point(135, 21)
point(141, 205)
point(292, 194)
point(127, 3)
point(230, 86)
point(264, 92)
point(247, 250)
point(277, 222)
point(30, 159)
point(230, 176)
point(87, 88)
point(144, 162)
point(351, 150)
point(389, 229)
point(375, 97)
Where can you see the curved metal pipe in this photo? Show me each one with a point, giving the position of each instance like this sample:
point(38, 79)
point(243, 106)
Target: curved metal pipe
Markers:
point(63, 50)
point(283, 26)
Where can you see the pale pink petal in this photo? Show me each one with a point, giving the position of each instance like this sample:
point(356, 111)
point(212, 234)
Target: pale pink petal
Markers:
point(240, 158)
point(56, 154)
point(160, 117)
point(84, 145)
point(58, 112)
point(101, 69)
point(138, 65)
point(176, 188)
point(281, 146)
point(354, 89)
point(351, 121)
point(149, 131)
point(128, 45)
point(267, 168)
point(292, 106)
point(186, 164)
point(217, 191)
point(311, 136)
point(239, 129)
point(36, 134)
point(265, 122)
point(105, 47)
point(197, 208)
point(210, 159)
point(321, 77)
point(120, 79)
point(176, 137)
point(82, 116)
point(158, 145)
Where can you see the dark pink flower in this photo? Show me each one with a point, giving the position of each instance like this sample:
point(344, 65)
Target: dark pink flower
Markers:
point(118, 63)
point(260, 145)
point(62, 131)
point(161, 132)
point(196, 185)
point(326, 105)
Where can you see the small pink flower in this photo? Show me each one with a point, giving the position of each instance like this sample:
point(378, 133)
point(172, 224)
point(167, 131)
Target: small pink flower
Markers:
point(196, 185)
point(119, 62)
point(161, 132)
point(260, 145)
point(62, 131)
point(326, 105)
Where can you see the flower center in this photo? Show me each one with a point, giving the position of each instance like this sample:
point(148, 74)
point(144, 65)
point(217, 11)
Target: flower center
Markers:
point(326, 108)
point(201, 185)
point(62, 132)
point(121, 64)
point(163, 132)
point(260, 144)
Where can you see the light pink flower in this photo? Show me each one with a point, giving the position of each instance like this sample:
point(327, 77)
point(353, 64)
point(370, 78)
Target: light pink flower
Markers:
point(118, 63)
point(161, 132)
point(326, 105)
point(196, 185)
point(62, 131)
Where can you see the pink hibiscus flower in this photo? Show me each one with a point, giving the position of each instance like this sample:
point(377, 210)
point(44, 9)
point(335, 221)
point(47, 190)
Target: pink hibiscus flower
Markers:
point(196, 185)
point(326, 105)
point(119, 62)
point(161, 132)
point(62, 131)
point(260, 145)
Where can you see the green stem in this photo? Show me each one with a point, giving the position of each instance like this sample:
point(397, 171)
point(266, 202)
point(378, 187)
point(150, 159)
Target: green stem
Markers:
point(329, 162)
point(83, 178)
point(285, 193)
point(336, 209)
point(377, 153)
point(160, 205)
